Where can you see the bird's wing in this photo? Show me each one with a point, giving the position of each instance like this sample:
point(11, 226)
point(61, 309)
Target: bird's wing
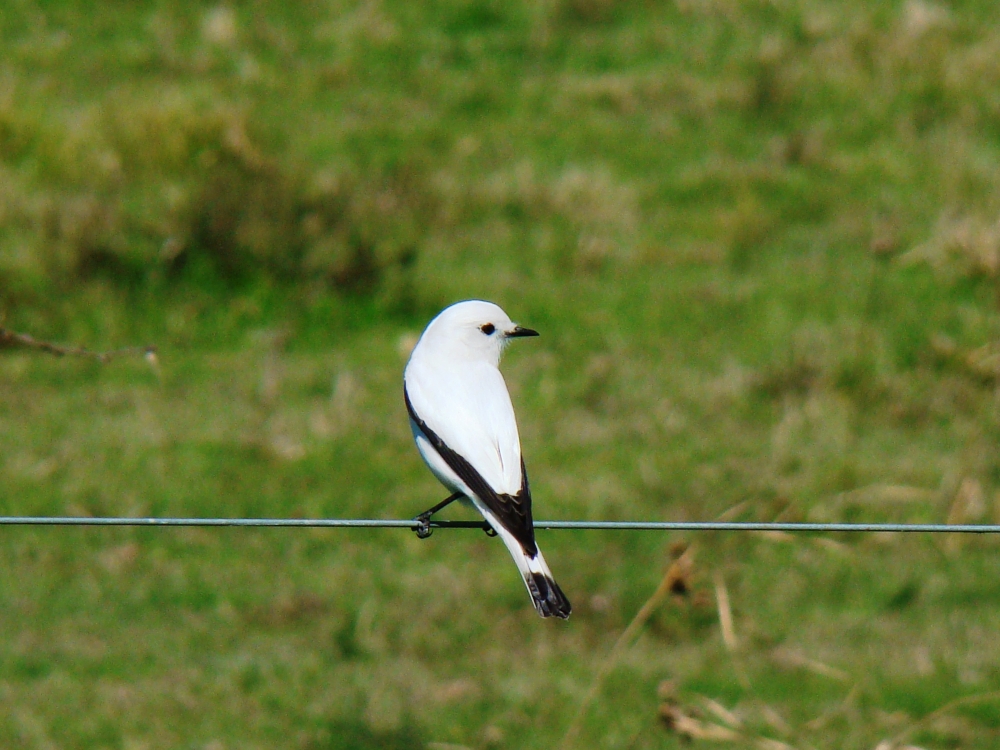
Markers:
point(468, 407)
point(465, 413)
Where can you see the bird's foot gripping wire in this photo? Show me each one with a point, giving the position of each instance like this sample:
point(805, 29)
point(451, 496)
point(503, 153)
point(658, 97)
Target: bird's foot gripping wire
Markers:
point(423, 528)
point(490, 531)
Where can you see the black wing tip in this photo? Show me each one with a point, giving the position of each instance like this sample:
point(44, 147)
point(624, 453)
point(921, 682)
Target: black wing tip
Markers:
point(548, 598)
point(513, 512)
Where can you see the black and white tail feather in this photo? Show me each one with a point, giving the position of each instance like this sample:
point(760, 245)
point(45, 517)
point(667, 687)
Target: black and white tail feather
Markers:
point(548, 598)
point(463, 423)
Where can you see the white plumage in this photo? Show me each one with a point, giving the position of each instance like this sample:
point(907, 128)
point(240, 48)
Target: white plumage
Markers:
point(463, 423)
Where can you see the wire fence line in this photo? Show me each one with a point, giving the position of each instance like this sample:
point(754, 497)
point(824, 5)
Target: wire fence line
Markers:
point(414, 524)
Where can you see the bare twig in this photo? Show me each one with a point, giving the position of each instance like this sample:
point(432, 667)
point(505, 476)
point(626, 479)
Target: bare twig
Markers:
point(796, 660)
point(725, 614)
point(728, 630)
point(728, 717)
point(968, 700)
point(968, 503)
point(766, 743)
point(666, 586)
point(689, 728)
point(845, 706)
point(10, 338)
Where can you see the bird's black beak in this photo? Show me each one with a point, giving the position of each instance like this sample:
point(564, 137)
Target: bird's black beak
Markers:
point(519, 331)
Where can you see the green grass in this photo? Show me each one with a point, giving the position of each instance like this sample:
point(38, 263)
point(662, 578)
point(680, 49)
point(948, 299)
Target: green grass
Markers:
point(759, 241)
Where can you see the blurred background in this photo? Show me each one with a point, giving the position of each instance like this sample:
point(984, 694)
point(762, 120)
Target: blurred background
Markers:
point(760, 241)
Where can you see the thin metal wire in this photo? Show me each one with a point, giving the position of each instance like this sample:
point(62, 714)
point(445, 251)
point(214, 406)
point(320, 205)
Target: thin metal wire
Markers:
point(926, 528)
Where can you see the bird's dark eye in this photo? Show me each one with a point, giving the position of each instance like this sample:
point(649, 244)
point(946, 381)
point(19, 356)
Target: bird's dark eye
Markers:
point(488, 328)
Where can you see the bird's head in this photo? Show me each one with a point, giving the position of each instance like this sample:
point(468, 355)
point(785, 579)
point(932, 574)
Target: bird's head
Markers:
point(472, 329)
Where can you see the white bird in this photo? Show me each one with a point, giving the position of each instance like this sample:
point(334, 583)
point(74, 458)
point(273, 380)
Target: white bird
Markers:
point(463, 423)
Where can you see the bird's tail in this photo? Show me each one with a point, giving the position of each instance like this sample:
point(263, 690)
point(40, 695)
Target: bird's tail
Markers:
point(548, 598)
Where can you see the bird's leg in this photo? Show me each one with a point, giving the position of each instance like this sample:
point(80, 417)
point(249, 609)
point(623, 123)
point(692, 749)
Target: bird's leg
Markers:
point(423, 528)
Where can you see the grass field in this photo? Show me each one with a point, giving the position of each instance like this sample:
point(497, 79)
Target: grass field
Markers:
point(760, 241)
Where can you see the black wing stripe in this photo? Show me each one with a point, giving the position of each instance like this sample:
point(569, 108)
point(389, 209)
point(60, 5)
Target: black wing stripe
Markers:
point(513, 511)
